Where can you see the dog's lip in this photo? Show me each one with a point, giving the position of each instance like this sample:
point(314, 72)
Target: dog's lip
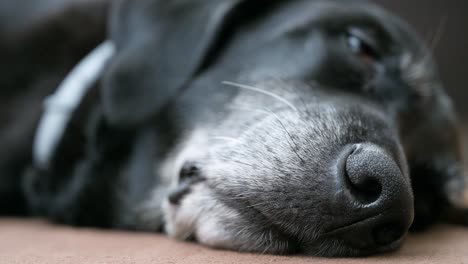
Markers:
point(363, 221)
point(182, 189)
point(343, 228)
point(332, 234)
point(266, 222)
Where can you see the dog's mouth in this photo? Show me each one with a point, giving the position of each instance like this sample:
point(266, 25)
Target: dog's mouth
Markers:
point(387, 236)
point(200, 215)
point(198, 209)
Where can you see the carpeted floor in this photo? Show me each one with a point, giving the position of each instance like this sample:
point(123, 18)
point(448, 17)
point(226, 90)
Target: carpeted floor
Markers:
point(33, 241)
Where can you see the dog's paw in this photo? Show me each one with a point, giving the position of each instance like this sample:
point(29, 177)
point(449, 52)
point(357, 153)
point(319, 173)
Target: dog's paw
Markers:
point(456, 210)
point(456, 195)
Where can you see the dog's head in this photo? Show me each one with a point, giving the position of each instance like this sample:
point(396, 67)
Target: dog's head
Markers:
point(332, 130)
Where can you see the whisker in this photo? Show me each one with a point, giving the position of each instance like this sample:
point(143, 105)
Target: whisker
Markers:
point(440, 30)
point(227, 139)
point(293, 89)
point(255, 166)
point(306, 107)
point(255, 89)
point(243, 108)
point(290, 138)
point(247, 108)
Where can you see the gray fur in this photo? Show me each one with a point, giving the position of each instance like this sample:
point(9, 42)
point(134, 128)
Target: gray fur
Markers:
point(265, 173)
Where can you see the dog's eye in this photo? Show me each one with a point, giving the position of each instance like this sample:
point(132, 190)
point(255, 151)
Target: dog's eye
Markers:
point(362, 45)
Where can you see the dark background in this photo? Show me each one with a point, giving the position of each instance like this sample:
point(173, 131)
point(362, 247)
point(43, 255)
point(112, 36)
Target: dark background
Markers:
point(451, 52)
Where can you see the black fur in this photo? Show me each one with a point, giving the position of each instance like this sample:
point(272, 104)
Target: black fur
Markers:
point(164, 82)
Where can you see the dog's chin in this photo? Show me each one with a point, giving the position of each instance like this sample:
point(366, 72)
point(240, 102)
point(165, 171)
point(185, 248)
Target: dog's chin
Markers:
point(197, 216)
point(200, 216)
point(338, 248)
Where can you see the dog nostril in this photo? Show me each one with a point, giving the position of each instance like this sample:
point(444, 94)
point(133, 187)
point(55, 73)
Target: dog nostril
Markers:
point(388, 233)
point(363, 185)
point(376, 197)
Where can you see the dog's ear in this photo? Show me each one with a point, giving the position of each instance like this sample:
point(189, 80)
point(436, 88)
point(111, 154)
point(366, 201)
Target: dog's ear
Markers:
point(160, 44)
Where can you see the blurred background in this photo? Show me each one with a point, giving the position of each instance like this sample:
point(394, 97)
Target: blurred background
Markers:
point(450, 18)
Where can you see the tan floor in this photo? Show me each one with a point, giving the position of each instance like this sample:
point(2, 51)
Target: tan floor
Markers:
point(38, 242)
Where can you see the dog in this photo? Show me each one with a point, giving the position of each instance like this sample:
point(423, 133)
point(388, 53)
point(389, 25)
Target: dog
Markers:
point(281, 127)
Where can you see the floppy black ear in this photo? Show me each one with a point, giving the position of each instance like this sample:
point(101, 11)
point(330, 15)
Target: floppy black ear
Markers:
point(160, 45)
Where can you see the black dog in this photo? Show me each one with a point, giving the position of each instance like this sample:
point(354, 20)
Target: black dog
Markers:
point(312, 127)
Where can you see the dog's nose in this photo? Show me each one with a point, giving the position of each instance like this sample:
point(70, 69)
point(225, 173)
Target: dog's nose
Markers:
point(379, 200)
